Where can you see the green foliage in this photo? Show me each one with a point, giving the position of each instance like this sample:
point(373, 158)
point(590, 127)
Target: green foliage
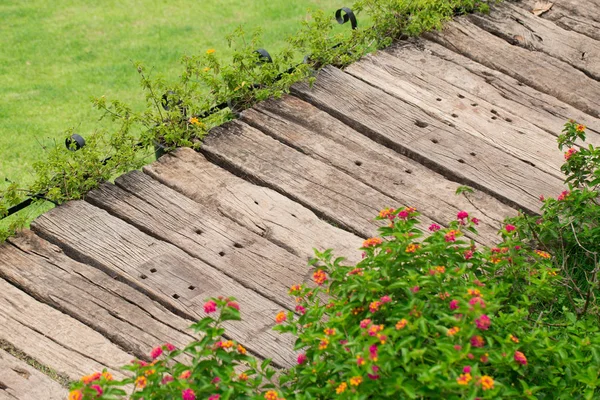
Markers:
point(180, 113)
point(56, 54)
point(433, 318)
point(569, 227)
point(419, 318)
point(213, 367)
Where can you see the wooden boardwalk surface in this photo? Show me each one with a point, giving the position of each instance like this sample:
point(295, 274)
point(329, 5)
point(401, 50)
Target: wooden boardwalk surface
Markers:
point(100, 281)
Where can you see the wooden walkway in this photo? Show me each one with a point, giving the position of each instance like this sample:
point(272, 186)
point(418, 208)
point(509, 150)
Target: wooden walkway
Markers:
point(98, 282)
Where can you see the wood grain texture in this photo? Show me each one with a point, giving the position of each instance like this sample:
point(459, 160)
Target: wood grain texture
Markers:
point(538, 70)
point(164, 272)
point(441, 147)
point(508, 95)
point(19, 381)
point(582, 16)
point(324, 189)
point(204, 234)
point(259, 209)
point(314, 132)
point(521, 28)
point(579, 16)
point(124, 315)
point(506, 131)
point(53, 338)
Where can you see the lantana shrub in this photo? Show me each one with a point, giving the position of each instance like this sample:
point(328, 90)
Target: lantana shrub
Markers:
point(424, 315)
point(419, 317)
point(211, 368)
point(569, 227)
point(436, 317)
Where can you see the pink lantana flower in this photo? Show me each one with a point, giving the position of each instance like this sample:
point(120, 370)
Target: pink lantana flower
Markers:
point(210, 307)
point(520, 358)
point(462, 215)
point(156, 352)
point(301, 359)
point(483, 322)
point(434, 227)
point(454, 305)
point(169, 347)
point(188, 394)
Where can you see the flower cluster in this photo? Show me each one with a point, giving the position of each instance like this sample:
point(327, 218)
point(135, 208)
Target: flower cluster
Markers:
point(440, 296)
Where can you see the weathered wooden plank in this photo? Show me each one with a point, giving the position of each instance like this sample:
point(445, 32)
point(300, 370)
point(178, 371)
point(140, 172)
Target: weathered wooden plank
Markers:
point(121, 313)
point(53, 338)
point(19, 381)
point(575, 15)
point(321, 187)
point(257, 208)
point(314, 132)
point(411, 131)
point(521, 28)
point(424, 58)
point(199, 231)
point(538, 70)
point(436, 97)
point(164, 272)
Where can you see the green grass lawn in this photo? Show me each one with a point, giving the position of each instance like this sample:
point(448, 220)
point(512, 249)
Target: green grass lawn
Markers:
point(58, 54)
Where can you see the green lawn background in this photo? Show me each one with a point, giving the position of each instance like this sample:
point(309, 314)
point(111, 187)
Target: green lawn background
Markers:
point(57, 54)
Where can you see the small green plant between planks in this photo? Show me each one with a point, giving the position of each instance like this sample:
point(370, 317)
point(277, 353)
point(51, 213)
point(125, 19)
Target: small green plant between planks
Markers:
point(181, 113)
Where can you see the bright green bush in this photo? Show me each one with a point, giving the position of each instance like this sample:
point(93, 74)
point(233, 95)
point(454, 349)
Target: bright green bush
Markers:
point(569, 228)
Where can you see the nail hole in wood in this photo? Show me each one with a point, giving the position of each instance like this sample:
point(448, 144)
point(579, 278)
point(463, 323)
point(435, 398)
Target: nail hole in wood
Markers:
point(451, 125)
point(142, 276)
point(199, 231)
point(520, 84)
point(494, 117)
point(408, 171)
point(175, 296)
point(494, 112)
point(438, 99)
point(255, 202)
point(461, 161)
point(455, 115)
point(191, 287)
point(434, 141)
point(294, 215)
point(508, 120)
point(238, 246)
point(421, 124)
point(153, 270)
point(473, 154)
point(359, 163)
point(221, 253)
point(460, 96)
point(474, 104)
